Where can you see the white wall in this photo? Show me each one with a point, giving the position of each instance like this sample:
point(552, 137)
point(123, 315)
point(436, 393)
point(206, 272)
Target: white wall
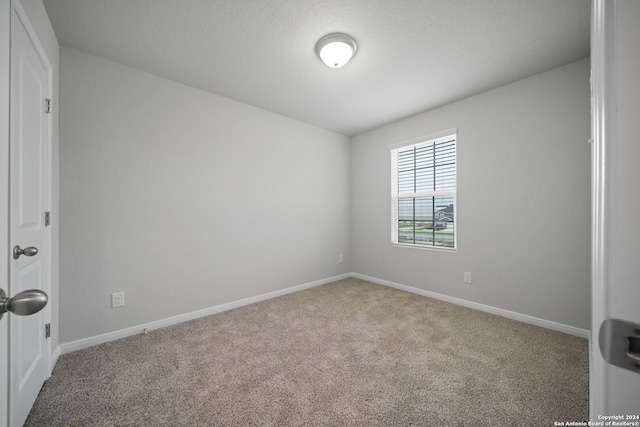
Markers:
point(40, 21)
point(186, 200)
point(523, 199)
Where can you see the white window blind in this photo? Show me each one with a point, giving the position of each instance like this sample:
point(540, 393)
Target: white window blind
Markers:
point(423, 195)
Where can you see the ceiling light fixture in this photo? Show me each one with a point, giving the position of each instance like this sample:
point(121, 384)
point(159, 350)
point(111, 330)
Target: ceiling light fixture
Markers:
point(336, 49)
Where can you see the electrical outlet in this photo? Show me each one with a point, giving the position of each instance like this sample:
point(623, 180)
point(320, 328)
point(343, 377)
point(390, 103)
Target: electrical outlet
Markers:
point(117, 299)
point(340, 258)
point(467, 277)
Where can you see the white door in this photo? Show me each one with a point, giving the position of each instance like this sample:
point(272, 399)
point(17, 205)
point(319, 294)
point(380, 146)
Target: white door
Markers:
point(29, 141)
point(615, 391)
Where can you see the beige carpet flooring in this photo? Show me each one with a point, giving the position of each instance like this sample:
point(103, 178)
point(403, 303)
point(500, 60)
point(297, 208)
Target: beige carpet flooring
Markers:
point(350, 353)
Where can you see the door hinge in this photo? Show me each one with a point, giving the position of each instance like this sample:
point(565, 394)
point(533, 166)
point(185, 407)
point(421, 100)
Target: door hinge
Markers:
point(47, 330)
point(47, 219)
point(48, 109)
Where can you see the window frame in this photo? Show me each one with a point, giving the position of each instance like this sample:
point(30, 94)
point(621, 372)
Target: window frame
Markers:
point(396, 196)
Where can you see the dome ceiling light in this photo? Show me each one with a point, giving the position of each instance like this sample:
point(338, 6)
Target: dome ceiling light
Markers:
point(336, 49)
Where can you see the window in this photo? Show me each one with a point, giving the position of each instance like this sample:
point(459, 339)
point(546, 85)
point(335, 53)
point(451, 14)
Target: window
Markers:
point(423, 191)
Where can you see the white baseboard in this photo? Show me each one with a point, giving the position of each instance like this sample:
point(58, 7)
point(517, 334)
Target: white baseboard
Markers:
point(582, 333)
point(111, 336)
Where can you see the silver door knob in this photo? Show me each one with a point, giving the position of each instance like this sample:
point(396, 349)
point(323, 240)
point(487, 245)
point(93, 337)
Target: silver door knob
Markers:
point(26, 302)
point(30, 251)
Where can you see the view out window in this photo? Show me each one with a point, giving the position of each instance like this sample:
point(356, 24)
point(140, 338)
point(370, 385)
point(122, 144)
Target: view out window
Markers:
point(423, 191)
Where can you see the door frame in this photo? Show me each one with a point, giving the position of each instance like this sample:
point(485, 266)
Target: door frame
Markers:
point(601, 69)
point(603, 134)
point(5, 67)
point(611, 133)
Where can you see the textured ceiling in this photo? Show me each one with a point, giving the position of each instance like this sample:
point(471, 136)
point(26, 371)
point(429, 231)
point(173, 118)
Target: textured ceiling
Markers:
point(413, 55)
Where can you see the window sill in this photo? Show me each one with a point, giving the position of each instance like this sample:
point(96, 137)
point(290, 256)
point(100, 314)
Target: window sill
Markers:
point(425, 248)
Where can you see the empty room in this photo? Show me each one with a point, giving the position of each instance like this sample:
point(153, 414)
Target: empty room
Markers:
point(317, 212)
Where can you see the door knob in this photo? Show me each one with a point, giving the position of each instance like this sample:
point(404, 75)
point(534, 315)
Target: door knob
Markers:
point(26, 302)
point(30, 251)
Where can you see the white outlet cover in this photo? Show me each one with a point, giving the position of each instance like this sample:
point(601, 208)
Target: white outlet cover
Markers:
point(117, 299)
point(467, 277)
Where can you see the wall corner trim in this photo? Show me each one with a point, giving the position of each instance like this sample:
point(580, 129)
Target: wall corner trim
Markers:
point(571, 330)
point(53, 359)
